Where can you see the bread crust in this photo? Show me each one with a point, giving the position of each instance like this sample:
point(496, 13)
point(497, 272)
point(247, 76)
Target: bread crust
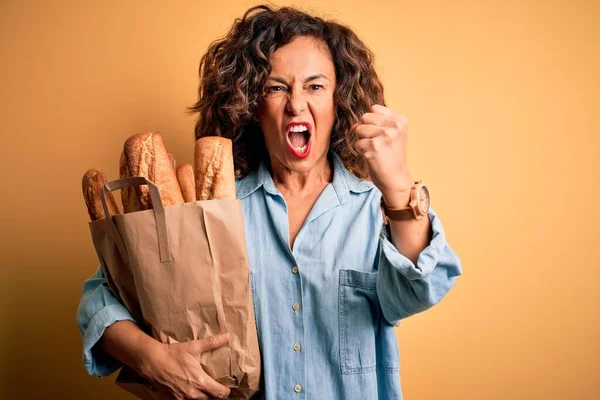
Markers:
point(185, 178)
point(91, 184)
point(214, 173)
point(145, 155)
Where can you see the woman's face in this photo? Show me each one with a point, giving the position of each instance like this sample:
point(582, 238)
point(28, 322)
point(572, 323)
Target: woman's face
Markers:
point(297, 113)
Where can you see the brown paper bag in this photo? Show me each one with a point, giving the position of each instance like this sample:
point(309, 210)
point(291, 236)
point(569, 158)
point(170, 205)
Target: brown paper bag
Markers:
point(183, 272)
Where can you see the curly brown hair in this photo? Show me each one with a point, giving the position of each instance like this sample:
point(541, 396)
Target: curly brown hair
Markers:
point(234, 70)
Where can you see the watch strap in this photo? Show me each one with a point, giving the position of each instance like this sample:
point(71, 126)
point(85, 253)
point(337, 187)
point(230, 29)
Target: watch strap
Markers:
point(401, 214)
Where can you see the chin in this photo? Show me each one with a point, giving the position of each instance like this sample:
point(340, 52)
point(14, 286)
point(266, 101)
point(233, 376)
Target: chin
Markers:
point(296, 165)
point(305, 164)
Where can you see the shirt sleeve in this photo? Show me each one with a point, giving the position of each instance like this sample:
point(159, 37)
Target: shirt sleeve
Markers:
point(98, 309)
point(404, 288)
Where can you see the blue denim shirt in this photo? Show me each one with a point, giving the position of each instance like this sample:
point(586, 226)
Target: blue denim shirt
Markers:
point(326, 310)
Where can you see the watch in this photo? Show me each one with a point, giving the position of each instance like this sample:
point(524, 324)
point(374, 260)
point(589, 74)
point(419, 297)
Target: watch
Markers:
point(418, 205)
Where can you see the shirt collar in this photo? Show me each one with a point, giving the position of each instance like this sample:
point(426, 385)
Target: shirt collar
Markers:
point(343, 183)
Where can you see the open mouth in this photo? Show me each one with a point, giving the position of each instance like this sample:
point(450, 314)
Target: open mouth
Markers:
point(298, 138)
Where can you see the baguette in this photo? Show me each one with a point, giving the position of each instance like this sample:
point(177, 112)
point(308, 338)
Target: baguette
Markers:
point(185, 177)
point(91, 184)
point(172, 159)
point(213, 162)
point(145, 155)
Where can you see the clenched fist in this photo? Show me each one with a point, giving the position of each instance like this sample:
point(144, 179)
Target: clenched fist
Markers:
point(382, 137)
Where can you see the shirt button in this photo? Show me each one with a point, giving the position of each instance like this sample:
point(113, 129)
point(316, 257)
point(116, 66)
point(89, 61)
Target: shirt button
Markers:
point(294, 269)
point(297, 388)
point(297, 346)
point(295, 306)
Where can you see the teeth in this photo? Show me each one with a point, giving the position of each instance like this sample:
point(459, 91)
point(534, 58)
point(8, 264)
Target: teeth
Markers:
point(298, 128)
point(301, 149)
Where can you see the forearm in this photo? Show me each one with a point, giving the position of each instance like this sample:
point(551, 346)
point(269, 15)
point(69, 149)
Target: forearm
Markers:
point(405, 288)
point(126, 342)
point(412, 236)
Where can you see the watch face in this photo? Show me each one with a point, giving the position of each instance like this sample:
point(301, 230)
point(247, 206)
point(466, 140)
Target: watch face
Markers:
point(423, 199)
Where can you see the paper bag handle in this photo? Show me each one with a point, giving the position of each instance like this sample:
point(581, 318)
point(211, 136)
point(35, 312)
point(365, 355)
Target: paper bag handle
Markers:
point(157, 206)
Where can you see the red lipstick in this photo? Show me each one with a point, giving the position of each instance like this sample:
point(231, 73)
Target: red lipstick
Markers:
point(304, 150)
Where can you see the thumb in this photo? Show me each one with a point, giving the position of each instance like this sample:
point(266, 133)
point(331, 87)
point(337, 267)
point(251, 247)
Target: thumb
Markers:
point(212, 342)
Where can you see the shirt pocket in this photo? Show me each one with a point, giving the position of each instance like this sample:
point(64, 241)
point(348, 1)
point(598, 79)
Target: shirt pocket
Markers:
point(358, 318)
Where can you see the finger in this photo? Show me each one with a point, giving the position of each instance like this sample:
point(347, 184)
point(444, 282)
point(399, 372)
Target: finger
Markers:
point(392, 118)
point(374, 119)
point(363, 146)
point(213, 342)
point(370, 147)
point(367, 131)
point(214, 388)
point(200, 396)
point(383, 110)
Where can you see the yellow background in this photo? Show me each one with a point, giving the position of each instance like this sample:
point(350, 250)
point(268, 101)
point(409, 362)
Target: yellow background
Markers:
point(503, 105)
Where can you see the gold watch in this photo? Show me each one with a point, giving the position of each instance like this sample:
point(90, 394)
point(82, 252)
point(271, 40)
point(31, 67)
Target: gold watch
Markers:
point(418, 205)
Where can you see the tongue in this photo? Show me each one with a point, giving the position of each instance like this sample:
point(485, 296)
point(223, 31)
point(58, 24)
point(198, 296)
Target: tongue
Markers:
point(298, 139)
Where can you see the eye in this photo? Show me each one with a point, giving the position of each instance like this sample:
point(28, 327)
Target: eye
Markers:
point(275, 89)
point(315, 87)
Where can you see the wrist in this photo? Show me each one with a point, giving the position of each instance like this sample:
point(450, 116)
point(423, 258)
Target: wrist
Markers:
point(396, 193)
point(397, 199)
point(149, 352)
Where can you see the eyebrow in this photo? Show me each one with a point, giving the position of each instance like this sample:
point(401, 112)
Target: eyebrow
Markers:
point(310, 78)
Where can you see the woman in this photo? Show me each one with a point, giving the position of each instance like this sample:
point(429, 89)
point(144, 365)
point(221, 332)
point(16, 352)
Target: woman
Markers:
point(317, 155)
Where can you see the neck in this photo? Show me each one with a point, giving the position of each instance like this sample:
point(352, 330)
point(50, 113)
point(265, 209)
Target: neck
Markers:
point(287, 180)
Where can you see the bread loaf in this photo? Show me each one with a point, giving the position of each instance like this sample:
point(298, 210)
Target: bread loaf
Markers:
point(172, 159)
point(213, 166)
point(185, 177)
point(145, 155)
point(91, 184)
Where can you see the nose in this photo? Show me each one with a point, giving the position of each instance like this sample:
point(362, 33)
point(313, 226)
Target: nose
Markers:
point(296, 103)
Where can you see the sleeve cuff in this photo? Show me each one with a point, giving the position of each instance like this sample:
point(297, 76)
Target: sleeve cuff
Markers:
point(96, 361)
point(405, 289)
